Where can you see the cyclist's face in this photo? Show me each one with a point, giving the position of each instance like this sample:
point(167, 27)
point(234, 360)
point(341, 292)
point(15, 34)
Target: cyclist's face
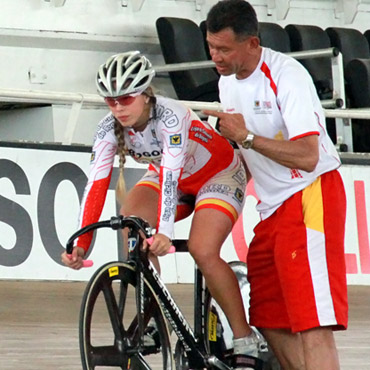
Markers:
point(130, 110)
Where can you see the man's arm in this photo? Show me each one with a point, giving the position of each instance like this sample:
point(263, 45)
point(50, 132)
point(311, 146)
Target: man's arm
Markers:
point(301, 154)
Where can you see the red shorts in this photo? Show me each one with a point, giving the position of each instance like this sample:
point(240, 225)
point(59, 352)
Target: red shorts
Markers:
point(296, 264)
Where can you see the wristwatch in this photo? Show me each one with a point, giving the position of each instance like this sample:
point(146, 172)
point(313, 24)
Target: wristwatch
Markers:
point(247, 143)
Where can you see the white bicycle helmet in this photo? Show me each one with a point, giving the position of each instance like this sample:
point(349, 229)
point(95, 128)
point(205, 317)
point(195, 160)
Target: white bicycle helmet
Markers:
point(124, 74)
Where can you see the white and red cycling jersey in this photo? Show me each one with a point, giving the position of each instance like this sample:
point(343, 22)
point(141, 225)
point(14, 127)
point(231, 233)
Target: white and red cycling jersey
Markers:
point(185, 154)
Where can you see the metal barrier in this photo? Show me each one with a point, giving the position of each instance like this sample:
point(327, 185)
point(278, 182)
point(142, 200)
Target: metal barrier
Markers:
point(333, 108)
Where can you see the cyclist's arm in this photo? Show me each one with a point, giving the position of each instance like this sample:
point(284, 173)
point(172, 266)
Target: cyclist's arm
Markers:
point(174, 151)
point(101, 167)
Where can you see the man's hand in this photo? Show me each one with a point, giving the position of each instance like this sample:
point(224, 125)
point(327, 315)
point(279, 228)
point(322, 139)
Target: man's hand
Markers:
point(232, 125)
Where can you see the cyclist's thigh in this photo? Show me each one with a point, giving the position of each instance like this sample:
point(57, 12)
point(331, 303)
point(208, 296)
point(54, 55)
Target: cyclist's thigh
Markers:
point(224, 192)
point(142, 199)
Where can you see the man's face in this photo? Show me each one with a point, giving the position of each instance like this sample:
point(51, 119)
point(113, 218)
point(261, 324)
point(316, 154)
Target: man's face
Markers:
point(230, 55)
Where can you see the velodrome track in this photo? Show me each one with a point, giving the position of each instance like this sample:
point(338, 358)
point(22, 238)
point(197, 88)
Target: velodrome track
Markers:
point(39, 325)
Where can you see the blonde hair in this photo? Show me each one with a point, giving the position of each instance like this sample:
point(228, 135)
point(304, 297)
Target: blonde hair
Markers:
point(121, 151)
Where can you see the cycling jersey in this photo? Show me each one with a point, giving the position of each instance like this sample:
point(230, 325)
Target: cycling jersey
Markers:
point(184, 152)
point(278, 101)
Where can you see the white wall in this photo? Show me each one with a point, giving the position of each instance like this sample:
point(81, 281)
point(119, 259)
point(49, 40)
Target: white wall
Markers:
point(38, 195)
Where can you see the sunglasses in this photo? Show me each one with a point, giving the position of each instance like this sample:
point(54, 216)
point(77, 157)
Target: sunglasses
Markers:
point(121, 100)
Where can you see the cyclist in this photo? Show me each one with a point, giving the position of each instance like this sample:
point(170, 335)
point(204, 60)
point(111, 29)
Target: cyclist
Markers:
point(186, 157)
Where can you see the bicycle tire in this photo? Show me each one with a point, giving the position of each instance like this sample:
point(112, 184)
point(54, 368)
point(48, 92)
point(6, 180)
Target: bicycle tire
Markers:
point(108, 323)
point(218, 335)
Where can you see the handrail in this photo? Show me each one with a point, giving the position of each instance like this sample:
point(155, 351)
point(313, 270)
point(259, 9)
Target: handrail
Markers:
point(55, 97)
point(307, 54)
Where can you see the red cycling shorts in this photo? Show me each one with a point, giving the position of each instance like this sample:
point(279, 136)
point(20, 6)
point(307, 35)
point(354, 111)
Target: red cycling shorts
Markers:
point(296, 263)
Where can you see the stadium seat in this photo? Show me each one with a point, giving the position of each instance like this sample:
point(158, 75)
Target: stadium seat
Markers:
point(274, 36)
point(356, 51)
point(358, 90)
point(181, 40)
point(351, 43)
point(308, 37)
point(203, 28)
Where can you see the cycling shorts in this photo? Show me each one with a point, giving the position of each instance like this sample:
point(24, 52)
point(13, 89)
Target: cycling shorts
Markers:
point(225, 191)
point(296, 262)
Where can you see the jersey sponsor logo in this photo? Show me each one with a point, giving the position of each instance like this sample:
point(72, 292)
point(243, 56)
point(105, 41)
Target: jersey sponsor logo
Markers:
point(145, 156)
point(175, 140)
point(169, 197)
point(201, 134)
point(239, 195)
point(295, 174)
point(167, 116)
point(92, 157)
point(262, 107)
point(239, 177)
point(215, 188)
point(106, 125)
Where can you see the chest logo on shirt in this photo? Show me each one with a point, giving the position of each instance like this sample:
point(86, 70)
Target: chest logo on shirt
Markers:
point(262, 107)
point(175, 140)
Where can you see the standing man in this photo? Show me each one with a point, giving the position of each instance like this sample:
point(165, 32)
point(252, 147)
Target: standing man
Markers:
point(296, 265)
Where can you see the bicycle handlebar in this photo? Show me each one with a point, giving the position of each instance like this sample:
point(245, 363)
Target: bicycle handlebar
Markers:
point(115, 223)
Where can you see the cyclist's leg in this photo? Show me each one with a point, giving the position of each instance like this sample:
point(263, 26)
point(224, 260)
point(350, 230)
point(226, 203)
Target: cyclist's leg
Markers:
point(141, 201)
point(209, 230)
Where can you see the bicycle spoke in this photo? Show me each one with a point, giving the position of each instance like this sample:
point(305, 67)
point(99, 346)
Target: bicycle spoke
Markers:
point(113, 311)
point(122, 299)
point(138, 363)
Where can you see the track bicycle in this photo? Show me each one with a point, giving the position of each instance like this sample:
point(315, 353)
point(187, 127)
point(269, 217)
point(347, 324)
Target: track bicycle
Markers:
point(123, 297)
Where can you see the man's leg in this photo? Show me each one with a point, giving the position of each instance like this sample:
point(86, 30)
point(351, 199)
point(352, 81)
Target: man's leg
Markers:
point(287, 347)
point(319, 349)
point(309, 350)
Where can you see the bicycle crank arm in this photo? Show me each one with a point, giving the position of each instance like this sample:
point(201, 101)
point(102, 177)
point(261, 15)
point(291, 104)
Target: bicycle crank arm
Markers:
point(214, 361)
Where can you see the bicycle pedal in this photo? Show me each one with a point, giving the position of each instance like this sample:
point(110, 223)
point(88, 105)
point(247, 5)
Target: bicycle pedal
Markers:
point(151, 336)
point(244, 362)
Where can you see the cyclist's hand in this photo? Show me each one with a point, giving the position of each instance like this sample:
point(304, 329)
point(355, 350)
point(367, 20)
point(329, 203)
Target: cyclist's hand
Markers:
point(74, 260)
point(160, 245)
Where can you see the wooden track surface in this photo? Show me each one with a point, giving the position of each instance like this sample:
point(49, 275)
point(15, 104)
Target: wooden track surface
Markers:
point(39, 325)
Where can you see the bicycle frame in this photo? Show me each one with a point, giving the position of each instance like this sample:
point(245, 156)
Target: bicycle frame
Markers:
point(193, 342)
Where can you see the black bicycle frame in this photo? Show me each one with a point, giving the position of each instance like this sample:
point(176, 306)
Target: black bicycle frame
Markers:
point(192, 341)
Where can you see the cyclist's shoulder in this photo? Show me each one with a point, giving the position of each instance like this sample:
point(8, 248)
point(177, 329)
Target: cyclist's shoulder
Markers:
point(105, 129)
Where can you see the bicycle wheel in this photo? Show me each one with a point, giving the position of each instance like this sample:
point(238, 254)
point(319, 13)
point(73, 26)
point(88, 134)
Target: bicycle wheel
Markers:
point(219, 336)
point(108, 323)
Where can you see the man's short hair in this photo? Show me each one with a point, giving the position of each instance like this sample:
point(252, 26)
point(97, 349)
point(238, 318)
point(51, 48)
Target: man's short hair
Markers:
point(238, 15)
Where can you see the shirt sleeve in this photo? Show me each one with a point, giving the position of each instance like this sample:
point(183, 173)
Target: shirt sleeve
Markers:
point(297, 100)
point(101, 166)
point(174, 134)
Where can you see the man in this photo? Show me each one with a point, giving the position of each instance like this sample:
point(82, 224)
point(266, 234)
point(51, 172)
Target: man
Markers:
point(296, 265)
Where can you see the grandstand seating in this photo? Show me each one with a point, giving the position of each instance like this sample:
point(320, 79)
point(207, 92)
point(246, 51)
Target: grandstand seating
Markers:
point(203, 28)
point(358, 91)
point(351, 43)
point(356, 54)
point(274, 36)
point(181, 40)
point(308, 37)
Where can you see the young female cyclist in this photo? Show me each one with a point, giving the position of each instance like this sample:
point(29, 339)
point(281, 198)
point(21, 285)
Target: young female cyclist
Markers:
point(186, 157)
